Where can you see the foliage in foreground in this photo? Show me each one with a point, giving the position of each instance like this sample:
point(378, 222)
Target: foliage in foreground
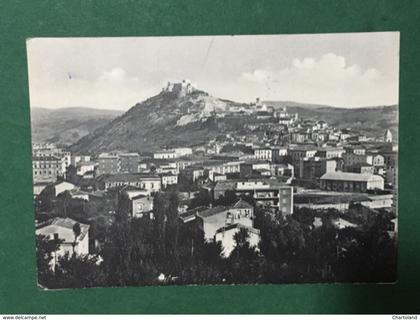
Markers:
point(162, 251)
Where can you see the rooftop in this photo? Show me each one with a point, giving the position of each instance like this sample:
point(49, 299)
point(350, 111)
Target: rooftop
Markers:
point(67, 223)
point(211, 211)
point(130, 177)
point(329, 198)
point(86, 163)
point(131, 154)
point(242, 204)
point(360, 165)
point(168, 174)
point(140, 196)
point(107, 156)
point(349, 176)
point(191, 214)
point(303, 148)
point(330, 148)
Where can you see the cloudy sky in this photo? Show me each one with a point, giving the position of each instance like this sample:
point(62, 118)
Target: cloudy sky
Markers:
point(344, 70)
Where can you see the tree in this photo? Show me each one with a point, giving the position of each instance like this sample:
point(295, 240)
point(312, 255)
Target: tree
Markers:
point(78, 272)
point(305, 217)
point(130, 254)
point(228, 199)
point(98, 231)
point(71, 175)
point(241, 237)
point(45, 253)
point(244, 261)
point(45, 199)
point(207, 265)
point(76, 231)
point(62, 204)
point(282, 244)
point(123, 206)
point(202, 199)
point(185, 184)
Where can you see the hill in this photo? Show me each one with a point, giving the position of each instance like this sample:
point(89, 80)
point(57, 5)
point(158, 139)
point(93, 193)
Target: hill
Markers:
point(67, 125)
point(167, 119)
point(171, 119)
point(367, 120)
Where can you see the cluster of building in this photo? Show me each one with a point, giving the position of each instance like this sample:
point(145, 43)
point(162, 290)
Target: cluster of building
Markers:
point(49, 162)
point(304, 164)
point(221, 223)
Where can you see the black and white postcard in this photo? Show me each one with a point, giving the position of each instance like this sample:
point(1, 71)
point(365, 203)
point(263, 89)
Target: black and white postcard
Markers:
point(263, 159)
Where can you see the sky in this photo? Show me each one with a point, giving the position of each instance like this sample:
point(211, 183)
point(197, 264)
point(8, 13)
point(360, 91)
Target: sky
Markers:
point(343, 70)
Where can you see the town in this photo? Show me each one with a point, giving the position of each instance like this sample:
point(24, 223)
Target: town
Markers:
point(256, 205)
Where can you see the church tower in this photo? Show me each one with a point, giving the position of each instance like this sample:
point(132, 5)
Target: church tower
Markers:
point(388, 136)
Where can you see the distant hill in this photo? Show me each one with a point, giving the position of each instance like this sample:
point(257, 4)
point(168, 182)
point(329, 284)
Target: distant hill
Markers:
point(171, 119)
point(167, 119)
point(67, 125)
point(367, 120)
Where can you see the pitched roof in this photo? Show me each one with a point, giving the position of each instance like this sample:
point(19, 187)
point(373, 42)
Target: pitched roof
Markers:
point(123, 177)
point(168, 174)
point(107, 156)
point(242, 204)
point(66, 183)
point(129, 154)
point(141, 196)
point(225, 185)
point(67, 223)
point(191, 214)
point(211, 211)
point(330, 148)
point(130, 177)
point(362, 164)
point(303, 147)
point(349, 176)
point(86, 163)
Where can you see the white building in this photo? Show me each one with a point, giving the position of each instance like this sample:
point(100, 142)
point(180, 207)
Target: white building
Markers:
point(63, 229)
point(169, 179)
point(269, 153)
point(211, 220)
point(351, 182)
point(226, 236)
point(63, 186)
point(81, 158)
point(141, 205)
point(181, 152)
point(84, 167)
point(165, 154)
point(352, 159)
point(149, 183)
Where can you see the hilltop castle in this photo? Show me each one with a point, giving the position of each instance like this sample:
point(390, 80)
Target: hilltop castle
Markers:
point(180, 89)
